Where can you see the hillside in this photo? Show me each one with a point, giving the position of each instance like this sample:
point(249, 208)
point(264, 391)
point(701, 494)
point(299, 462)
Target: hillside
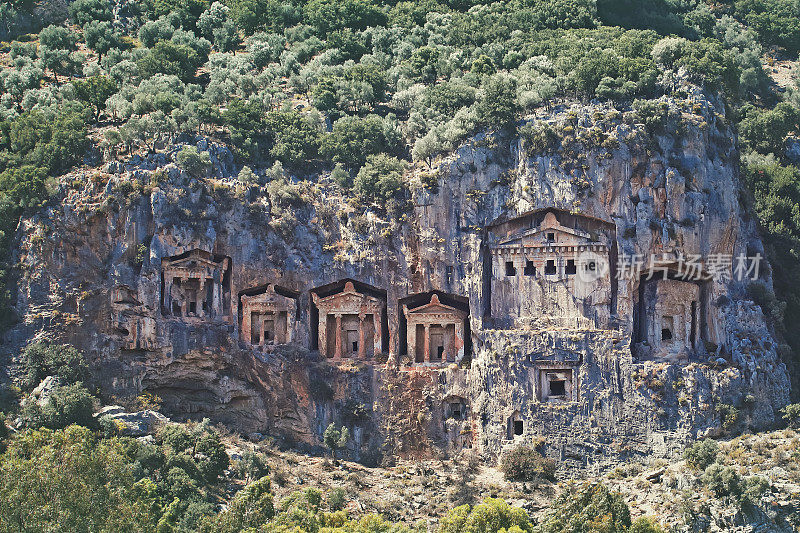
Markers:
point(479, 249)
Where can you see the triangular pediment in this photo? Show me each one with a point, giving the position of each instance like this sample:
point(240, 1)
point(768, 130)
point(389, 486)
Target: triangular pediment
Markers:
point(538, 236)
point(194, 259)
point(436, 307)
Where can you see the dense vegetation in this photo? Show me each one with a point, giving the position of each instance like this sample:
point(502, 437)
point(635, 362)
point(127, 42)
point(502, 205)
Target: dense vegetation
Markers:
point(366, 86)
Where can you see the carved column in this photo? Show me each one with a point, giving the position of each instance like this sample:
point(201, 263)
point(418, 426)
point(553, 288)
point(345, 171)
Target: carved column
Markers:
point(362, 346)
point(290, 314)
point(167, 296)
point(184, 303)
point(323, 333)
point(337, 351)
point(459, 341)
point(377, 331)
point(247, 335)
point(427, 343)
point(201, 296)
point(216, 297)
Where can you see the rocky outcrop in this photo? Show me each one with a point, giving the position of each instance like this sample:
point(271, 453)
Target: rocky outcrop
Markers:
point(92, 275)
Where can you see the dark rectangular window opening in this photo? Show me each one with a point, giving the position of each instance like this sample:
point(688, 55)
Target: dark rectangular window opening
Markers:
point(510, 270)
point(558, 387)
point(551, 237)
point(193, 307)
point(550, 267)
point(518, 427)
point(530, 269)
point(355, 346)
point(570, 269)
point(439, 352)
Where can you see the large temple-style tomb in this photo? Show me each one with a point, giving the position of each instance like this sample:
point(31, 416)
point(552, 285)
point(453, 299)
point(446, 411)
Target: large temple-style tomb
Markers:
point(193, 285)
point(350, 322)
point(268, 317)
point(435, 331)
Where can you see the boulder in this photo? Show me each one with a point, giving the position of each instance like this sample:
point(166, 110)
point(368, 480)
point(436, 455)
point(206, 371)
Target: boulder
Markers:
point(136, 424)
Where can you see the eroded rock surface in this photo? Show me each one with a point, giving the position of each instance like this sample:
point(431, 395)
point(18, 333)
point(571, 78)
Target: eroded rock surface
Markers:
point(597, 369)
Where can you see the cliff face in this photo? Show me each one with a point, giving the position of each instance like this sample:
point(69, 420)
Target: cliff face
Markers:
point(637, 367)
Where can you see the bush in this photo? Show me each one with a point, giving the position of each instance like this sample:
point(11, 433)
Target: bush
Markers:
point(525, 464)
point(722, 480)
point(791, 414)
point(491, 516)
point(193, 161)
point(252, 465)
point(380, 179)
point(701, 454)
point(590, 507)
point(337, 498)
point(42, 359)
point(67, 405)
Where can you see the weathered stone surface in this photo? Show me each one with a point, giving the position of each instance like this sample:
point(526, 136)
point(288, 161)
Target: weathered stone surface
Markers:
point(96, 281)
point(136, 424)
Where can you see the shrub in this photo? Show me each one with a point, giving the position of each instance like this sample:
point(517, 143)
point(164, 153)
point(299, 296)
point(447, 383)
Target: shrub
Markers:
point(251, 507)
point(491, 516)
point(335, 438)
point(66, 405)
point(525, 464)
point(791, 414)
point(590, 507)
point(722, 480)
point(252, 465)
point(193, 161)
point(380, 179)
point(337, 499)
point(42, 359)
point(701, 454)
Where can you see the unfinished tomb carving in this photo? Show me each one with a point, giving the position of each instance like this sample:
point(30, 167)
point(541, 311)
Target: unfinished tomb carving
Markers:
point(268, 316)
point(350, 321)
point(669, 318)
point(435, 331)
point(550, 264)
point(195, 285)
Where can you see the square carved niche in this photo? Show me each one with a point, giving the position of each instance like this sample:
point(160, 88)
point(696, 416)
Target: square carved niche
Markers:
point(557, 384)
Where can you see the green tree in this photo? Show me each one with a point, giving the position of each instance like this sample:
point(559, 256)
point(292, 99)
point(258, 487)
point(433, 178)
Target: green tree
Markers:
point(57, 45)
point(251, 507)
point(83, 12)
point(353, 139)
point(101, 37)
point(765, 130)
point(187, 11)
point(497, 106)
point(335, 438)
point(295, 137)
point(525, 464)
point(380, 179)
point(590, 507)
point(493, 515)
point(255, 15)
point(701, 454)
point(66, 405)
point(95, 91)
point(168, 57)
point(331, 15)
point(245, 121)
point(69, 480)
point(42, 359)
point(190, 159)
